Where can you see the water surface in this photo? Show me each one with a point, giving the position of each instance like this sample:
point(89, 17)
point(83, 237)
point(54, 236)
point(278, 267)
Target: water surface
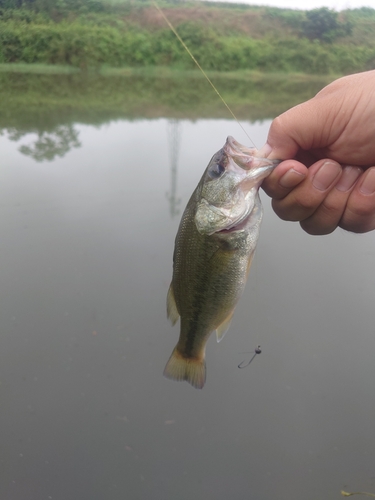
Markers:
point(85, 264)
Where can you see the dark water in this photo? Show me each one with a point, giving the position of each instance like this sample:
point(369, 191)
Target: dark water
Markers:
point(85, 263)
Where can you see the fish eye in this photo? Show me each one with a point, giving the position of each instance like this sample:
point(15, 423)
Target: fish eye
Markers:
point(216, 170)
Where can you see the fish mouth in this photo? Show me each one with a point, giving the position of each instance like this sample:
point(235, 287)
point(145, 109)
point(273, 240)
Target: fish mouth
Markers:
point(232, 147)
point(248, 159)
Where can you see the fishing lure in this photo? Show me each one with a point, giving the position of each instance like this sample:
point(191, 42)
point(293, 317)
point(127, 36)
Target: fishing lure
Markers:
point(258, 350)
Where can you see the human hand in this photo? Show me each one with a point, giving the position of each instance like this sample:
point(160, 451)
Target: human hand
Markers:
point(331, 139)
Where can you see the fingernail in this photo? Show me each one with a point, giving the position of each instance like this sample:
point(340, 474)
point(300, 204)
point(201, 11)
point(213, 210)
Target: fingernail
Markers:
point(265, 151)
point(348, 177)
point(368, 183)
point(291, 178)
point(326, 175)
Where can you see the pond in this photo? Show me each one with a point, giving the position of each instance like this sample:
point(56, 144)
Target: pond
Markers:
point(88, 217)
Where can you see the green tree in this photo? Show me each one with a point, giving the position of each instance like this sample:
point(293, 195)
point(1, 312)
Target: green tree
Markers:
point(10, 4)
point(324, 24)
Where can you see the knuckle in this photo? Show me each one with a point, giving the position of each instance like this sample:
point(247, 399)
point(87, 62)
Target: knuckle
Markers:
point(305, 204)
point(357, 228)
point(359, 220)
point(277, 123)
point(330, 209)
point(362, 211)
point(284, 212)
point(325, 219)
point(296, 209)
point(316, 228)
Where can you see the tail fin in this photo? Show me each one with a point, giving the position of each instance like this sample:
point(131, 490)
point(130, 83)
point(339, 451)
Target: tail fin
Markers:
point(192, 370)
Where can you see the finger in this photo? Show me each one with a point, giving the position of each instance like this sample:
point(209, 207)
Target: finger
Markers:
point(327, 216)
point(359, 215)
point(284, 178)
point(304, 200)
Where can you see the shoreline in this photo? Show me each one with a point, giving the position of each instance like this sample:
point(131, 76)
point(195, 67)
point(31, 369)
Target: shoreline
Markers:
point(159, 72)
point(57, 95)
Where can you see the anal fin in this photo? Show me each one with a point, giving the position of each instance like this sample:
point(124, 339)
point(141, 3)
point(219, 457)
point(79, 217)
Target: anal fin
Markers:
point(224, 327)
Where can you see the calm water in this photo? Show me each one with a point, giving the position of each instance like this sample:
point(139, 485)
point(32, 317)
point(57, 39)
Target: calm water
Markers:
point(85, 264)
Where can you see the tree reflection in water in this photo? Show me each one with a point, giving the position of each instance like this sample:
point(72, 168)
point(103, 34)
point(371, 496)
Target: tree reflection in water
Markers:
point(51, 144)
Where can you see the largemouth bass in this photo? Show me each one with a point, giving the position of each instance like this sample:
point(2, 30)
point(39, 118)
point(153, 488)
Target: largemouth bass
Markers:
point(213, 251)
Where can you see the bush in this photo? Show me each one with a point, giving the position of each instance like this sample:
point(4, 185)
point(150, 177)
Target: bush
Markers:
point(74, 44)
point(88, 41)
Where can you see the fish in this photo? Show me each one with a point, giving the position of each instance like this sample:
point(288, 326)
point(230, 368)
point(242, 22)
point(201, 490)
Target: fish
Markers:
point(214, 248)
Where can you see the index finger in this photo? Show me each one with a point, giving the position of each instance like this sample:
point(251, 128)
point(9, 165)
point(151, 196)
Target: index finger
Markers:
point(286, 176)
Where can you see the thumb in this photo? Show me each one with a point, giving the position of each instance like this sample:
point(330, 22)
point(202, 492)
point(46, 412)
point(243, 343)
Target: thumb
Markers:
point(298, 128)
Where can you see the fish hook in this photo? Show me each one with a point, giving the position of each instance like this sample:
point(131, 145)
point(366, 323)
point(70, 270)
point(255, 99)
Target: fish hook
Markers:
point(258, 350)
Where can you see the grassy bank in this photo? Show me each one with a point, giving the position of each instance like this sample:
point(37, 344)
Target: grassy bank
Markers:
point(39, 69)
point(87, 34)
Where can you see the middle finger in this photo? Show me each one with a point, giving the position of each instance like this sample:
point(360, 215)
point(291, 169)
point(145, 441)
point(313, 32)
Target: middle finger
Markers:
point(304, 200)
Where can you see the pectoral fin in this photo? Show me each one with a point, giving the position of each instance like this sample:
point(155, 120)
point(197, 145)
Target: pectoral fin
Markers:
point(224, 327)
point(172, 311)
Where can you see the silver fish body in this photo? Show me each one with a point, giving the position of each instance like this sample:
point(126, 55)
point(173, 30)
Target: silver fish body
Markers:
point(214, 247)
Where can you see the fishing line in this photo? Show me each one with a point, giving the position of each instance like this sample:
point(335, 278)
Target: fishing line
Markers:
point(258, 350)
point(199, 66)
point(347, 494)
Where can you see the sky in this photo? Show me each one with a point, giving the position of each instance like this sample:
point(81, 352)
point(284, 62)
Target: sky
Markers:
point(311, 4)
